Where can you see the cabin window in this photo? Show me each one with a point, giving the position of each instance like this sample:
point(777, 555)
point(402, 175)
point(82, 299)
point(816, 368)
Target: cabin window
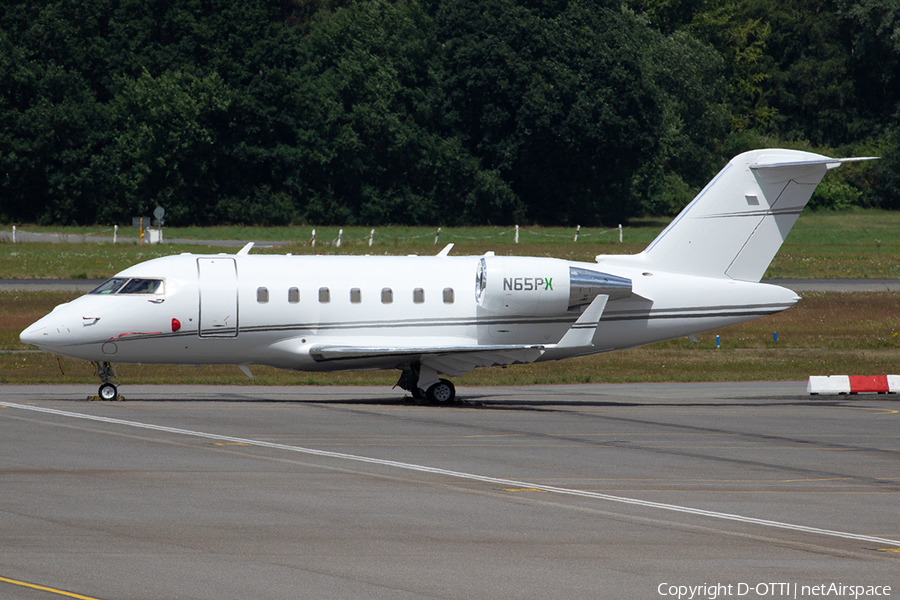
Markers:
point(293, 295)
point(355, 295)
point(387, 295)
point(262, 295)
point(418, 295)
point(324, 295)
point(448, 295)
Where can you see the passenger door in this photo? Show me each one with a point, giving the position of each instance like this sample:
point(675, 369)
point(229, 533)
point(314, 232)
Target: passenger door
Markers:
point(218, 297)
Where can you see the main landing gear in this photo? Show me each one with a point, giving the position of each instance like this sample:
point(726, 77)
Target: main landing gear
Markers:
point(106, 372)
point(423, 383)
point(442, 392)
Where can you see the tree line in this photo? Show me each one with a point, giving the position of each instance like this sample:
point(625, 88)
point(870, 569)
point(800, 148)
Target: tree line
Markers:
point(431, 111)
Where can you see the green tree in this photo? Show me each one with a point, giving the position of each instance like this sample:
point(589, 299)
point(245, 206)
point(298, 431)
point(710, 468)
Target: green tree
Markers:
point(695, 117)
point(165, 148)
point(556, 99)
point(740, 34)
point(429, 111)
point(373, 148)
point(811, 83)
point(50, 123)
point(873, 34)
point(887, 184)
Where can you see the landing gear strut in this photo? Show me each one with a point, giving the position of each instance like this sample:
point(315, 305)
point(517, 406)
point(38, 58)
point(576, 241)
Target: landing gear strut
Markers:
point(422, 382)
point(106, 372)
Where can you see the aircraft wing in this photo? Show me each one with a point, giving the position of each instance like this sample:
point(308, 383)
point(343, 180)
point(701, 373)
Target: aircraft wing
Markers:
point(454, 360)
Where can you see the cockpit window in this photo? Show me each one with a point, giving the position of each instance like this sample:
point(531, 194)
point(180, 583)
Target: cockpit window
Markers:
point(142, 286)
point(121, 285)
point(110, 286)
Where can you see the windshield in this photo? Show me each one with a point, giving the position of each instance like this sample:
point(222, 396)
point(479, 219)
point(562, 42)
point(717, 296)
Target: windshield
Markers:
point(122, 285)
point(110, 286)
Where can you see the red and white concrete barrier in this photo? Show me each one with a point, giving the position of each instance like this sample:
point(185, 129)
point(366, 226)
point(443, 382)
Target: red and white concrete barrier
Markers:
point(853, 384)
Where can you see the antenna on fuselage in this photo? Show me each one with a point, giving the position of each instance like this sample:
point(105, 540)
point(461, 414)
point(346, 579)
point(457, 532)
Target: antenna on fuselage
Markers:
point(446, 250)
point(245, 250)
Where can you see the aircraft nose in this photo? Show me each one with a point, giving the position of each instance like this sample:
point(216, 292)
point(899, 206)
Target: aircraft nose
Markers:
point(34, 334)
point(47, 333)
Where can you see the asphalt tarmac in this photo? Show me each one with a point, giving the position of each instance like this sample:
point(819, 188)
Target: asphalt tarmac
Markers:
point(586, 491)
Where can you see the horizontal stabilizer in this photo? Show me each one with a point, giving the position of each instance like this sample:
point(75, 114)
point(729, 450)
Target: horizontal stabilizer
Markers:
point(830, 163)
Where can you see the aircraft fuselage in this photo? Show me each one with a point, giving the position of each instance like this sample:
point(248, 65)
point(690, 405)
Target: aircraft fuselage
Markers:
point(275, 310)
point(441, 314)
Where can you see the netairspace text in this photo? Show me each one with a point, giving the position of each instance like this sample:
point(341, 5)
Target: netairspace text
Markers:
point(723, 591)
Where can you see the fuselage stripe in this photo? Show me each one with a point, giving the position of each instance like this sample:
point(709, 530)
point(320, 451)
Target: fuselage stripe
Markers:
point(318, 328)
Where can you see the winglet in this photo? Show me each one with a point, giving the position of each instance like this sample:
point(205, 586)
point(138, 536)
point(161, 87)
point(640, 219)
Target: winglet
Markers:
point(245, 250)
point(581, 334)
point(446, 250)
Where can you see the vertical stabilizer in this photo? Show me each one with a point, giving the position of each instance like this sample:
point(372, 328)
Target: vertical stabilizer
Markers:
point(735, 226)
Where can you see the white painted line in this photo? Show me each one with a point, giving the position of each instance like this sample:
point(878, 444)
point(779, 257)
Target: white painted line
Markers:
point(469, 476)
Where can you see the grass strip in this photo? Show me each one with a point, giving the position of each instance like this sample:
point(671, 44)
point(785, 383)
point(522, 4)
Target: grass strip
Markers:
point(856, 244)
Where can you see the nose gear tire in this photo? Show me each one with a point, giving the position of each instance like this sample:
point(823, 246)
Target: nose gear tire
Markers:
point(108, 391)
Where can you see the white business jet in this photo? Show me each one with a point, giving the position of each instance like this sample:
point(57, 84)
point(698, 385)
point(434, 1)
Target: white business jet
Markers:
point(433, 315)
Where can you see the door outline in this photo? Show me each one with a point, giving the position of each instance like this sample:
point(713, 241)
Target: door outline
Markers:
point(218, 297)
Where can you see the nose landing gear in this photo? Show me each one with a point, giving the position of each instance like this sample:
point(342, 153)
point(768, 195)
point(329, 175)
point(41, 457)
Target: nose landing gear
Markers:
point(108, 391)
point(106, 372)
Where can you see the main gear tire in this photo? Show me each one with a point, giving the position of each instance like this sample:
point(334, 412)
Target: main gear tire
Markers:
point(442, 392)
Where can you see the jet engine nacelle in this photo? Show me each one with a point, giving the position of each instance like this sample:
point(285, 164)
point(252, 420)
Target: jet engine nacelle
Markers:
point(541, 286)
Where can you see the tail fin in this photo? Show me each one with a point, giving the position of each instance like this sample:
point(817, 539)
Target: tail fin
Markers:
point(734, 227)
